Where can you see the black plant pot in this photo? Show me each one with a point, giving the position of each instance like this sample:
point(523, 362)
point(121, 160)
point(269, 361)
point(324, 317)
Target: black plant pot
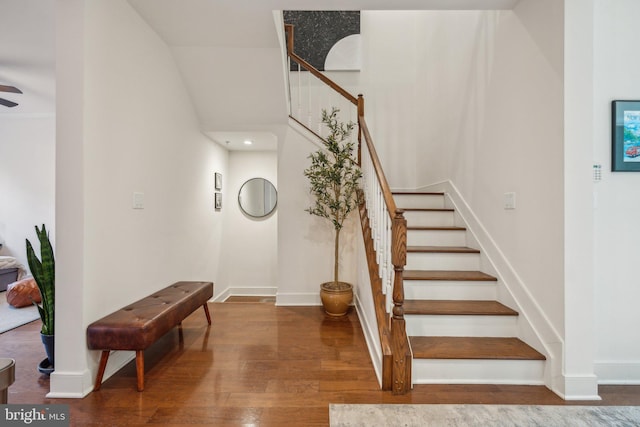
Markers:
point(46, 366)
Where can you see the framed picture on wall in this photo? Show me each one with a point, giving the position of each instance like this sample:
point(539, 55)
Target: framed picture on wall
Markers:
point(218, 181)
point(625, 136)
point(218, 201)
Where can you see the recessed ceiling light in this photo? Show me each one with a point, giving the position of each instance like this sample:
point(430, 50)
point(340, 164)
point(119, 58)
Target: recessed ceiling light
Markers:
point(248, 142)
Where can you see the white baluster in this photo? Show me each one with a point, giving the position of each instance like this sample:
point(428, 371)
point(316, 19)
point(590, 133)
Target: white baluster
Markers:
point(299, 93)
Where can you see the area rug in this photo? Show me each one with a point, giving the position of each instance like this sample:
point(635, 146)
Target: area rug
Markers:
point(482, 415)
point(11, 317)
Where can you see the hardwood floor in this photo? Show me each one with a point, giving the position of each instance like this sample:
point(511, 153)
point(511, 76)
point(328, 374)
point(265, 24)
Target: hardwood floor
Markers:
point(257, 364)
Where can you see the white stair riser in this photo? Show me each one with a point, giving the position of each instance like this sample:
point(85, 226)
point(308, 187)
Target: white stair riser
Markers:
point(468, 371)
point(436, 238)
point(426, 201)
point(461, 326)
point(429, 218)
point(462, 290)
point(442, 261)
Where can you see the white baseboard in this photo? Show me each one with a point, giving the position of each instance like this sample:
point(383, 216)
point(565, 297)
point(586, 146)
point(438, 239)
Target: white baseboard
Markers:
point(618, 373)
point(580, 387)
point(70, 384)
point(298, 299)
point(245, 291)
point(371, 338)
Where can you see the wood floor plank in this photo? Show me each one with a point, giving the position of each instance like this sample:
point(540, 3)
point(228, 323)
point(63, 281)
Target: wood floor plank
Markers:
point(212, 378)
point(457, 308)
point(447, 275)
point(472, 348)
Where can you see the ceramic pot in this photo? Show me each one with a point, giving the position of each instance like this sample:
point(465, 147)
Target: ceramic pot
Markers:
point(48, 341)
point(336, 298)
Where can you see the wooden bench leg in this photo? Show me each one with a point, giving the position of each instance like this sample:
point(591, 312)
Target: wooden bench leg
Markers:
point(103, 365)
point(206, 311)
point(140, 369)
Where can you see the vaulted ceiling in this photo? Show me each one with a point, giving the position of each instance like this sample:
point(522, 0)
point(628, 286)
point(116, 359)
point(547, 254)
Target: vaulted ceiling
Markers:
point(229, 54)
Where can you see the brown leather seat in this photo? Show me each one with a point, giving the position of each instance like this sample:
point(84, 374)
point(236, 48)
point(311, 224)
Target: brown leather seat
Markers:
point(138, 325)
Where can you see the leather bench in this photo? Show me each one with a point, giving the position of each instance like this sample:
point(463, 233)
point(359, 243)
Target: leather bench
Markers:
point(138, 325)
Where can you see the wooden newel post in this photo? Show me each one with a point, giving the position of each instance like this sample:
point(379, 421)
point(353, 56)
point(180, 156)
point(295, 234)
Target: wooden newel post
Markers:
point(360, 114)
point(288, 28)
point(401, 375)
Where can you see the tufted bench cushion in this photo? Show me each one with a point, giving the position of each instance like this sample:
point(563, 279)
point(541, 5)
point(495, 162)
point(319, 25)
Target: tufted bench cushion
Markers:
point(138, 325)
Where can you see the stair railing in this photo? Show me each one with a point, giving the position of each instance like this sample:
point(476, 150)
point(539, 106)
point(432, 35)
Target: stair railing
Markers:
point(310, 92)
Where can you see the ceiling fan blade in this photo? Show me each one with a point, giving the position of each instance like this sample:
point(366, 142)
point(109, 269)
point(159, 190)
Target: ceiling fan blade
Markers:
point(11, 89)
point(7, 103)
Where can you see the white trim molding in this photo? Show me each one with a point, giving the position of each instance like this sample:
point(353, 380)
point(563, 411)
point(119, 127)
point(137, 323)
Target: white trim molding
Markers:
point(370, 333)
point(618, 372)
point(245, 291)
point(68, 384)
point(580, 387)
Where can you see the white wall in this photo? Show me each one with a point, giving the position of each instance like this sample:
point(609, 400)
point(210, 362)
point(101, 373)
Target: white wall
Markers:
point(249, 245)
point(617, 206)
point(27, 194)
point(127, 113)
point(305, 242)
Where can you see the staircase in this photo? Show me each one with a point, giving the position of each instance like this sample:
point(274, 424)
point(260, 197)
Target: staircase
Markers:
point(437, 313)
point(457, 330)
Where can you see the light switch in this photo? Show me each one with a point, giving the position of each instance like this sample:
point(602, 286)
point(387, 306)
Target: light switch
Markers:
point(597, 172)
point(138, 200)
point(509, 200)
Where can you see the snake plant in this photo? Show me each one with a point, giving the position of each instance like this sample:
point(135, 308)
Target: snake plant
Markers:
point(44, 273)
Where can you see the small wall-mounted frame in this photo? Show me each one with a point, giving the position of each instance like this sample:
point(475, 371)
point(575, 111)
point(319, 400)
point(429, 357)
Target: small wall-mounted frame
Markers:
point(625, 136)
point(218, 201)
point(218, 180)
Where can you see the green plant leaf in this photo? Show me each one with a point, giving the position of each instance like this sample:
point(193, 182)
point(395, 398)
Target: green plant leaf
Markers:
point(43, 271)
point(334, 176)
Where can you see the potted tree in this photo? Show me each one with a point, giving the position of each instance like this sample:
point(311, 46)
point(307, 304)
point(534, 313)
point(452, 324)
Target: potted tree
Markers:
point(333, 178)
point(44, 273)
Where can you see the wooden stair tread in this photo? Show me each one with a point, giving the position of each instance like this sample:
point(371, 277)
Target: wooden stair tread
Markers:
point(426, 228)
point(443, 249)
point(447, 275)
point(457, 308)
point(426, 209)
point(416, 193)
point(473, 348)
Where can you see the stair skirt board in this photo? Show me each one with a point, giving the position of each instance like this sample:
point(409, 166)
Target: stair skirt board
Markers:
point(430, 218)
point(465, 371)
point(461, 326)
point(436, 237)
point(442, 261)
point(447, 290)
point(424, 201)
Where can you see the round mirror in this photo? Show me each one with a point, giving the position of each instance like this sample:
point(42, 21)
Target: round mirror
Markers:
point(257, 197)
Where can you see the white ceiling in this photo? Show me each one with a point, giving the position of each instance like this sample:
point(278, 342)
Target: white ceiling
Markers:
point(235, 141)
point(228, 52)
